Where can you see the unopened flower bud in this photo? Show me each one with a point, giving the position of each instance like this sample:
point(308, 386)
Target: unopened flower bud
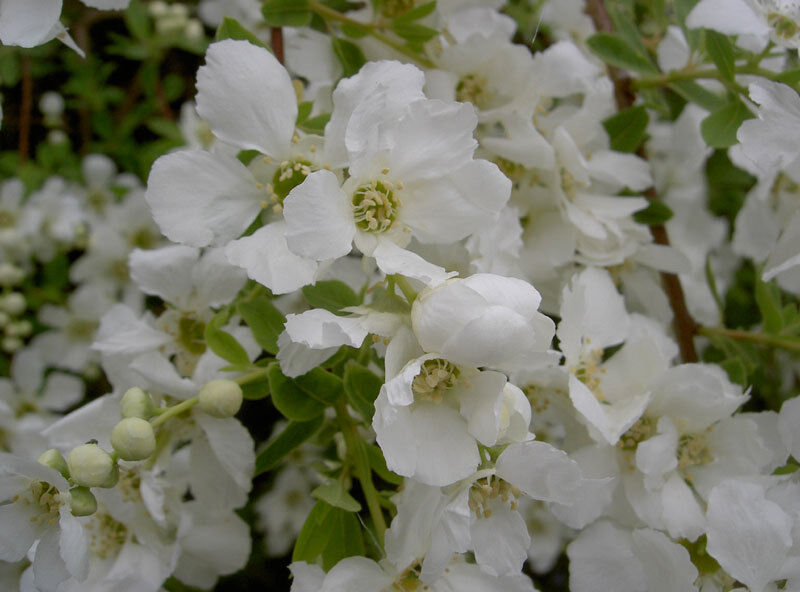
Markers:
point(51, 104)
point(90, 466)
point(133, 439)
point(83, 502)
point(52, 458)
point(136, 403)
point(157, 8)
point(113, 479)
point(10, 274)
point(13, 303)
point(19, 329)
point(11, 344)
point(193, 30)
point(220, 398)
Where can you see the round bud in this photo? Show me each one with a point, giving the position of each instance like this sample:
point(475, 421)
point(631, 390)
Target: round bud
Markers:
point(157, 8)
point(113, 479)
point(11, 344)
point(136, 403)
point(133, 438)
point(13, 303)
point(90, 466)
point(52, 458)
point(10, 275)
point(83, 502)
point(220, 398)
point(51, 104)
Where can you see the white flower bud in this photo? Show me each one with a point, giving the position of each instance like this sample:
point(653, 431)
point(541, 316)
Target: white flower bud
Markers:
point(11, 344)
point(98, 170)
point(90, 465)
point(51, 104)
point(52, 458)
point(194, 30)
point(157, 8)
point(136, 403)
point(133, 438)
point(4, 319)
point(13, 303)
point(178, 11)
point(19, 329)
point(10, 274)
point(56, 137)
point(220, 398)
point(82, 502)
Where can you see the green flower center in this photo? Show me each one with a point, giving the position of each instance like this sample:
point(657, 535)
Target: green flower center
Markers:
point(81, 329)
point(7, 219)
point(46, 497)
point(288, 176)
point(643, 429)
point(106, 535)
point(375, 206)
point(395, 8)
point(486, 489)
point(472, 88)
point(783, 26)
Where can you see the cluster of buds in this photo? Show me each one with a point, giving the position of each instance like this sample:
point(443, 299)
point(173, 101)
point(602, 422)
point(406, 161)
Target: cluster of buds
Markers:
point(12, 306)
point(174, 19)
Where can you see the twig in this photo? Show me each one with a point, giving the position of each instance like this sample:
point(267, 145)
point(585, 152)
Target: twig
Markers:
point(276, 38)
point(684, 325)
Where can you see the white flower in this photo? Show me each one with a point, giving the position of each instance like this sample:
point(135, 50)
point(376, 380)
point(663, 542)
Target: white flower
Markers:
point(778, 20)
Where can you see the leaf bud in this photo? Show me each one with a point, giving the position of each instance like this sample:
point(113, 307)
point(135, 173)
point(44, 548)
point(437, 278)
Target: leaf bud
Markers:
point(137, 403)
point(220, 398)
point(90, 466)
point(133, 439)
point(83, 502)
point(52, 458)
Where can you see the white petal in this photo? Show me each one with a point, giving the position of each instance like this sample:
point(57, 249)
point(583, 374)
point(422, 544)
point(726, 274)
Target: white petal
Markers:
point(392, 259)
point(319, 329)
point(18, 530)
point(266, 258)
point(215, 280)
point(620, 170)
point(28, 22)
point(732, 17)
point(500, 541)
point(606, 422)
point(200, 199)
point(232, 445)
point(247, 97)
point(48, 566)
point(540, 470)
point(319, 218)
point(164, 272)
point(668, 567)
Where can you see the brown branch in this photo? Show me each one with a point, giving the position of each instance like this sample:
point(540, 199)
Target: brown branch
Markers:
point(684, 325)
point(25, 110)
point(276, 38)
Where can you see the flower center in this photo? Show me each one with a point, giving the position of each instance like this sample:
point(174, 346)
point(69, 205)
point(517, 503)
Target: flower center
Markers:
point(394, 8)
point(375, 206)
point(434, 379)
point(106, 535)
point(643, 429)
point(290, 174)
point(487, 489)
point(472, 88)
point(693, 451)
point(589, 372)
point(81, 329)
point(7, 219)
point(44, 495)
point(784, 27)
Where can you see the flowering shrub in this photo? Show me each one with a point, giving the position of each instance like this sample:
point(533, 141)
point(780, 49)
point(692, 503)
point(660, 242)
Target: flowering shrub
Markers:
point(400, 295)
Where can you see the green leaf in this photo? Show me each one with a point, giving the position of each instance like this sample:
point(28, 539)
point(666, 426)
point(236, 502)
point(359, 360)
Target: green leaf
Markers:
point(291, 400)
point(361, 386)
point(265, 321)
point(378, 464)
point(719, 128)
point(292, 436)
point(287, 13)
point(627, 128)
point(654, 214)
point(616, 51)
point(354, 32)
point(256, 389)
point(137, 20)
point(736, 370)
point(331, 533)
point(412, 32)
point(315, 125)
point(222, 343)
point(768, 299)
point(304, 110)
point(331, 295)
point(720, 50)
point(323, 386)
point(790, 77)
point(349, 54)
point(682, 9)
point(230, 28)
point(694, 93)
point(334, 493)
point(417, 13)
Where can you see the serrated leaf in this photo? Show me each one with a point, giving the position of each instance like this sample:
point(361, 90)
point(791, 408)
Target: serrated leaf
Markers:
point(291, 400)
point(655, 214)
point(720, 50)
point(719, 128)
point(265, 321)
point(334, 493)
point(627, 128)
point(230, 28)
point(331, 295)
point(618, 52)
point(417, 13)
point(287, 13)
point(349, 54)
point(292, 436)
point(412, 32)
point(361, 386)
point(223, 343)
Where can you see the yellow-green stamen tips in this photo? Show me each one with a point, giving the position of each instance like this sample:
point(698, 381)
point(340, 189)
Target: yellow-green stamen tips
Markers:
point(90, 466)
point(472, 88)
point(434, 378)
point(220, 398)
point(290, 174)
point(375, 206)
point(133, 439)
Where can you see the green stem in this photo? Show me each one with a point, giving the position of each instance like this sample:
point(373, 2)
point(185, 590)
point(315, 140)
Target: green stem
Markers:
point(355, 447)
point(173, 411)
point(692, 74)
point(760, 338)
point(250, 376)
point(405, 287)
point(328, 13)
